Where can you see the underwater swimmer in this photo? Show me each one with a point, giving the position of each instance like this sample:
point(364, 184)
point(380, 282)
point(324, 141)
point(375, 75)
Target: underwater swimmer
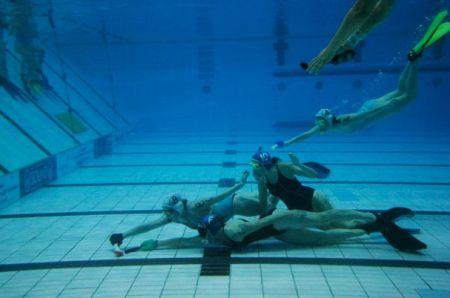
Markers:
point(298, 227)
point(279, 179)
point(362, 18)
point(190, 213)
point(378, 108)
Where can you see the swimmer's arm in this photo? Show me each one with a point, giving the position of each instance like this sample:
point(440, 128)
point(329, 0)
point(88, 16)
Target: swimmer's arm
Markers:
point(262, 195)
point(354, 19)
point(216, 199)
point(290, 170)
point(316, 129)
point(181, 242)
point(163, 220)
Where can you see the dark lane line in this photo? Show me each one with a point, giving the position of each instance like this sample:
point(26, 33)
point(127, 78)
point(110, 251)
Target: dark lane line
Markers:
point(246, 164)
point(280, 151)
point(231, 260)
point(237, 142)
point(149, 183)
point(158, 211)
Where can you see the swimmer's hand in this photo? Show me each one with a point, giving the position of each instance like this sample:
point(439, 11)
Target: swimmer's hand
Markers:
point(116, 239)
point(278, 145)
point(244, 177)
point(118, 252)
point(316, 64)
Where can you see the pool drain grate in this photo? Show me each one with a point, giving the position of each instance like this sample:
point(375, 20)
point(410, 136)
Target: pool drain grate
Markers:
point(216, 261)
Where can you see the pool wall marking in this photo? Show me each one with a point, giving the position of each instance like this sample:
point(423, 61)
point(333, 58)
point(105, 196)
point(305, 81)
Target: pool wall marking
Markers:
point(20, 183)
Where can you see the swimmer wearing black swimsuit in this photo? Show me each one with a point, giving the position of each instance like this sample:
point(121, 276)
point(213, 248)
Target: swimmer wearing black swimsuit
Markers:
point(291, 191)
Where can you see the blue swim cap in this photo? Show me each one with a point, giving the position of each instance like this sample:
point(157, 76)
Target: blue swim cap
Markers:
point(263, 158)
point(213, 223)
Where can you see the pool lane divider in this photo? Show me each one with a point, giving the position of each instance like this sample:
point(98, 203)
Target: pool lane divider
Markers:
point(226, 261)
point(159, 211)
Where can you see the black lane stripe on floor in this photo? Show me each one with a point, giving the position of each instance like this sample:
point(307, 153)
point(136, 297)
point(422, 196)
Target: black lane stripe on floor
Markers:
point(423, 183)
point(355, 164)
point(271, 142)
point(279, 151)
point(159, 211)
point(231, 260)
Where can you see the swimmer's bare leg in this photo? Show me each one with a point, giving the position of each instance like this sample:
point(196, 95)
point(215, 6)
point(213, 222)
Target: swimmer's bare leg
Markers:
point(319, 237)
point(296, 219)
point(350, 25)
point(237, 229)
point(321, 202)
point(377, 16)
point(248, 205)
point(407, 83)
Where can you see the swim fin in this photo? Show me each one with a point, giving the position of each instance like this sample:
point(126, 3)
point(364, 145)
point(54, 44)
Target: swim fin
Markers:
point(384, 218)
point(339, 58)
point(396, 212)
point(321, 170)
point(343, 57)
point(441, 31)
point(430, 36)
point(401, 239)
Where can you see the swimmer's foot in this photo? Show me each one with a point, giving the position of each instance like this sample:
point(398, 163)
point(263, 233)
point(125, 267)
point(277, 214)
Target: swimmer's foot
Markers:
point(340, 57)
point(435, 32)
point(343, 57)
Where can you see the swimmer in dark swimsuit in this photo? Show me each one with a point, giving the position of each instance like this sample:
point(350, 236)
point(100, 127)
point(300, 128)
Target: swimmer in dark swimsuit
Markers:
point(279, 179)
point(298, 227)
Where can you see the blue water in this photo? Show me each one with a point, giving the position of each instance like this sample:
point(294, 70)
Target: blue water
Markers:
point(161, 72)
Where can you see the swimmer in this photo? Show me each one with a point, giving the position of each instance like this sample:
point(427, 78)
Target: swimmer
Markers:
point(26, 35)
point(279, 179)
point(375, 109)
point(362, 18)
point(3, 27)
point(300, 228)
point(178, 209)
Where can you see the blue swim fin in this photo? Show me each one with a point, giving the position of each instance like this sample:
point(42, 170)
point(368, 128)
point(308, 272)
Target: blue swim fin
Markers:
point(321, 170)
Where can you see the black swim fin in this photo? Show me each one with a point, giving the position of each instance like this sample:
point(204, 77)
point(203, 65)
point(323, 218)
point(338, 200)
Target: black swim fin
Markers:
point(321, 170)
point(401, 239)
point(384, 218)
point(339, 58)
point(343, 57)
point(396, 212)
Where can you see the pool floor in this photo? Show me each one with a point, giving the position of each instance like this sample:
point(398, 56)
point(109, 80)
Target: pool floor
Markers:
point(55, 240)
